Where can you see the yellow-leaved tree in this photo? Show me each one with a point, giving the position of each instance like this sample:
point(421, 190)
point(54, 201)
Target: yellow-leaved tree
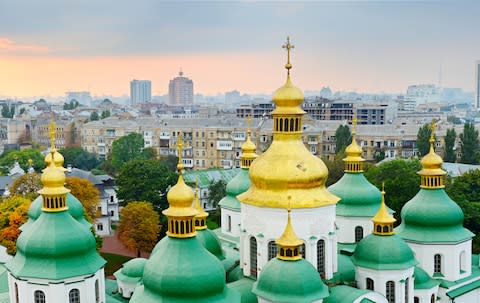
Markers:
point(87, 193)
point(139, 226)
point(13, 213)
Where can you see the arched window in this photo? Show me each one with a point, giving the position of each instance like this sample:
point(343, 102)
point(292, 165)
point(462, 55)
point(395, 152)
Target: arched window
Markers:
point(74, 296)
point(272, 250)
point(97, 292)
point(379, 229)
point(437, 264)
point(321, 258)
point(358, 233)
point(416, 300)
point(16, 293)
point(463, 262)
point(39, 296)
point(390, 291)
point(286, 124)
point(303, 251)
point(370, 284)
point(229, 223)
point(253, 256)
point(281, 124)
point(291, 125)
point(432, 298)
point(407, 289)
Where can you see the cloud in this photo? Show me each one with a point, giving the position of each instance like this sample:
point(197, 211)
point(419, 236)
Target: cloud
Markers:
point(9, 46)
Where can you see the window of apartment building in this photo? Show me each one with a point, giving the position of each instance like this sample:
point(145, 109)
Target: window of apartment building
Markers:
point(196, 134)
point(211, 144)
point(100, 227)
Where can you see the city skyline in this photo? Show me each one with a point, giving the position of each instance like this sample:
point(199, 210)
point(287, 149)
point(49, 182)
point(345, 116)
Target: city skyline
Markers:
point(349, 45)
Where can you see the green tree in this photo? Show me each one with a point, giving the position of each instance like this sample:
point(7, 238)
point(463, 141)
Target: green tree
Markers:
point(139, 227)
point(454, 120)
point(27, 186)
point(127, 148)
point(145, 180)
point(8, 159)
point(342, 138)
point(401, 181)
point(216, 191)
point(80, 158)
point(379, 155)
point(469, 144)
point(450, 155)
point(105, 114)
point(94, 116)
point(170, 162)
point(149, 153)
point(8, 111)
point(423, 137)
point(336, 168)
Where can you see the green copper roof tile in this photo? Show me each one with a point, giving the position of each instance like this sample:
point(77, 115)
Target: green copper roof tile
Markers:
point(423, 280)
point(244, 288)
point(344, 294)
point(457, 292)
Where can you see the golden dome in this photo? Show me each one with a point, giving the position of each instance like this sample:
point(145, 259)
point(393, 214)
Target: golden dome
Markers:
point(383, 220)
point(288, 168)
point(288, 243)
point(53, 180)
point(248, 147)
point(431, 162)
point(58, 159)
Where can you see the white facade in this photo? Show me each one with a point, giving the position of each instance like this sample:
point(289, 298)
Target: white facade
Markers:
point(425, 295)
point(109, 212)
point(455, 262)
point(315, 226)
point(348, 226)
point(126, 289)
point(230, 222)
point(140, 91)
point(381, 277)
point(91, 289)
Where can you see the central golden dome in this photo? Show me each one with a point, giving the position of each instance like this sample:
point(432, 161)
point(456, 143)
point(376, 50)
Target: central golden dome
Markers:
point(287, 174)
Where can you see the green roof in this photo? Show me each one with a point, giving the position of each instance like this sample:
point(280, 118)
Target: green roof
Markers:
point(423, 280)
point(112, 294)
point(182, 270)
point(3, 279)
point(346, 270)
point(244, 288)
point(383, 253)
point(359, 198)
point(235, 274)
point(210, 241)
point(457, 292)
point(344, 294)
point(290, 282)
point(475, 274)
point(208, 176)
point(131, 271)
point(55, 247)
point(431, 216)
point(236, 186)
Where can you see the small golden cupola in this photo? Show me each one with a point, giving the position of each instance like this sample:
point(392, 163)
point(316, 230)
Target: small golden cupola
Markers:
point(248, 148)
point(201, 216)
point(354, 161)
point(432, 175)
point(180, 213)
point(289, 244)
point(383, 220)
point(54, 154)
point(53, 192)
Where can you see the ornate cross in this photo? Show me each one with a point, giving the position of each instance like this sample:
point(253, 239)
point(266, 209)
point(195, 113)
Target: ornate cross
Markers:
point(51, 128)
point(354, 122)
point(433, 125)
point(288, 47)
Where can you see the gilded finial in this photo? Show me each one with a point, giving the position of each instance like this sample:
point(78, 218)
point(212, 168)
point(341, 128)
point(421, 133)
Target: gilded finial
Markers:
point(383, 188)
point(433, 126)
point(249, 122)
point(383, 220)
point(51, 129)
point(180, 152)
point(354, 124)
point(288, 46)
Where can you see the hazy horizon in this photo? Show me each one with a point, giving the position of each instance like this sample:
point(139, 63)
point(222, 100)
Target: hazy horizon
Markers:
point(53, 46)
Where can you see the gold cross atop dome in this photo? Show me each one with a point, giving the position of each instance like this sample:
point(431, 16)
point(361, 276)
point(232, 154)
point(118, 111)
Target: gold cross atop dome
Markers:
point(51, 130)
point(433, 126)
point(354, 123)
point(249, 122)
point(288, 46)
point(180, 152)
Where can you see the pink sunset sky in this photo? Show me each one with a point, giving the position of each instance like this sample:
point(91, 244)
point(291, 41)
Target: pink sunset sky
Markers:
point(353, 45)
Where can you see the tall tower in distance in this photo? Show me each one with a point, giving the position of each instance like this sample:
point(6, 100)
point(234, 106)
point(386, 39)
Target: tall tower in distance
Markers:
point(180, 90)
point(477, 85)
point(140, 91)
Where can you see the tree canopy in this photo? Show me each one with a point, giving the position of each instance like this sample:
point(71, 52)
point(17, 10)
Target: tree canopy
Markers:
point(450, 155)
point(469, 144)
point(71, 105)
point(423, 137)
point(342, 138)
point(13, 213)
point(139, 226)
point(87, 193)
point(8, 111)
point(27, 186)
point(145, 180)
point(8, 159)
point(127, 148)
point(105, 114)
point(335, 167)
point(401, 181)
point(94, 116)
point(80, 158)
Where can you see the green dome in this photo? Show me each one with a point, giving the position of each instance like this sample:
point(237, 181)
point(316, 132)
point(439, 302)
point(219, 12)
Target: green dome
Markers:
point(359, 198)
point(210, 241)
point(55, 247)
point(345, 271)
point(290, 282)
point(431, 216)
point(238, 185)
point(423, 280)
point(383, 253)
point(182, 270)
point(75, 208)
point(131, 271)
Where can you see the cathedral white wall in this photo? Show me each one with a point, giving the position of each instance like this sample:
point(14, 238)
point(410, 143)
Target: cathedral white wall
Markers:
point(262, 300)
point(346, 228)
point(268, 224)
point(126, 289)
point(451, 258)
point(425, 295)
point(234, 222)
point(381, 277)
point(57, 291)
point(372, 296)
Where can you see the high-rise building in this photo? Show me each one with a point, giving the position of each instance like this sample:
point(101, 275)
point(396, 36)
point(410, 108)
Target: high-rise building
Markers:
point(140, 91)
point(180, 90)
point(84, 98)
point(477, 84)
